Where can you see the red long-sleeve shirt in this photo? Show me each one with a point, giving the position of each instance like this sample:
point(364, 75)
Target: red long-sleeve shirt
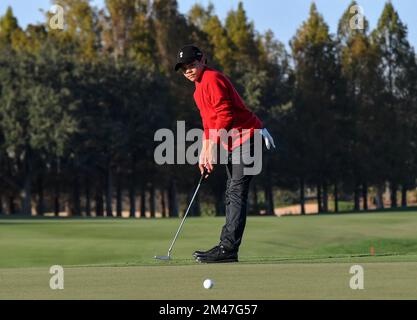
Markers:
point(221, 107)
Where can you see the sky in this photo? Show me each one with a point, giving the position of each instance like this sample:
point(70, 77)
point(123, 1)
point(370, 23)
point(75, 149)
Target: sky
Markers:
point(283, 17)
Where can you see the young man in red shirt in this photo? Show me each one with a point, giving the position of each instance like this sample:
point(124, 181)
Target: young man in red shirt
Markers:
point(221, 108)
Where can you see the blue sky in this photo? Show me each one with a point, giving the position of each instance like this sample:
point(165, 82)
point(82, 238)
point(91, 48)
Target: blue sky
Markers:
point(283, 17)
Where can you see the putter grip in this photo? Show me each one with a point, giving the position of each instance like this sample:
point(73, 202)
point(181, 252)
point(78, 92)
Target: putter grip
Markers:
point(203, 175)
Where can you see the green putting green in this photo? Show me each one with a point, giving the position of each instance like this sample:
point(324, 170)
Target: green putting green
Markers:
point(280, 258)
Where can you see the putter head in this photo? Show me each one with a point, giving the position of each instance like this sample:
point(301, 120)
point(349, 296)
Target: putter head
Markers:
point(162, 257)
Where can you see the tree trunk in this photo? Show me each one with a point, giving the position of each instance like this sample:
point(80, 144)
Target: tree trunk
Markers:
point(302, 197)
point(40, 208)
point(87, 198)
point(220, 204)
point(172, 199)
point(197, 207)
point(132, 199)
point(152, 201)
point(404, 196)
point(143, 201)
point(255, 202)
point(119, 203)
point(12, 206)
point(132, 189)
point(99, 202)
point(356, 198)
point(163, 203)
point(57, 190)
point(269, 197)
point(109, 192)
point(365, 196)
point(191, 212)
point(57, 198)
point(336, 198)
point(325, 198)
point(76, 202)
point(394, 189)
point(27, 191)
point(380, 196)
point(195, 210)
point(319, 200)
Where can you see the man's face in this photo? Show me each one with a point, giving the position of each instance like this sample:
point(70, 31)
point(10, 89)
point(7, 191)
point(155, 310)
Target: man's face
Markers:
point(193, 70)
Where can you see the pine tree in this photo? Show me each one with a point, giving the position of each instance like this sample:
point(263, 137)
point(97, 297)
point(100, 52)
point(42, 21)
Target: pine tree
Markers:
point(397, 68)
point(171, 32)
point(36, 115)
point(242, 34)
point(359, 59)
point(316, 101)
point(8, 26)
point(80, 28)
point(222, 46)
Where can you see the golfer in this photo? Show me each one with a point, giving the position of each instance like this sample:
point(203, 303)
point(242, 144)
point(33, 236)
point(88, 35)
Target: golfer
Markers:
point(221, 107)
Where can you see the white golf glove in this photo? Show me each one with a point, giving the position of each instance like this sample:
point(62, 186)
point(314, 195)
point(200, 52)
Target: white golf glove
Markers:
point(269, 141)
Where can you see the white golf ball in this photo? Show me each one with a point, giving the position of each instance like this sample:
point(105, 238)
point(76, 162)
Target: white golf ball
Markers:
point(208, 283)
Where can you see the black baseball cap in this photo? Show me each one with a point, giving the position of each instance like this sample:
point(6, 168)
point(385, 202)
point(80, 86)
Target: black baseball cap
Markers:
point(188, 54)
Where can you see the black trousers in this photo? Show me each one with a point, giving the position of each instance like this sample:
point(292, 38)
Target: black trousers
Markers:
point(237, 189)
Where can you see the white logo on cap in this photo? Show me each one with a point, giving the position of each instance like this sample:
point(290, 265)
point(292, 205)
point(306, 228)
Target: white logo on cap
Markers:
point(181, 54)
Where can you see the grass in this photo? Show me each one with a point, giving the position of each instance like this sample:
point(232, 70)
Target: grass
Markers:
point(281, 258)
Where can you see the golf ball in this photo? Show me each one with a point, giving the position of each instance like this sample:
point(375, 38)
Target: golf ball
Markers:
point(208, 284)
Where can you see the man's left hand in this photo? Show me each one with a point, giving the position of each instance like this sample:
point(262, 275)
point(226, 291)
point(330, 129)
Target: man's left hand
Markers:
point(210, 159)
point(207, 157)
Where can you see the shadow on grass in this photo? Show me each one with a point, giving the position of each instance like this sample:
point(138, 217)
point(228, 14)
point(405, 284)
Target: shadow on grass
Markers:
point(245, 261)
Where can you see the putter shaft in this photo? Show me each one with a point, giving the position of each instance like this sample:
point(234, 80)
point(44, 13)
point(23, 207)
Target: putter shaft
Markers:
point(183, 220)
point(168, 257)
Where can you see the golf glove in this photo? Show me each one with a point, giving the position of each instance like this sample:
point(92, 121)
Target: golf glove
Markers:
point(269, 141)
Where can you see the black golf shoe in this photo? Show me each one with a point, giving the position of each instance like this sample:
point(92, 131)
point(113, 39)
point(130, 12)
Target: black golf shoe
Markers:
point(197, 253)
point(220, 255)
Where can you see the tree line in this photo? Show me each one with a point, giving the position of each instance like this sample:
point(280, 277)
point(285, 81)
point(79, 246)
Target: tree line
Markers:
point(79, 108)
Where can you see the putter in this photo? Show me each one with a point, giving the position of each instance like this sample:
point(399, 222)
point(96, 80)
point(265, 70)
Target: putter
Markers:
point(168, 257)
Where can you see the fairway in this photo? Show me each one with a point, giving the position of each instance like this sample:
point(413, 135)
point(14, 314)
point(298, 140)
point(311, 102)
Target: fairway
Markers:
point(281, 258)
